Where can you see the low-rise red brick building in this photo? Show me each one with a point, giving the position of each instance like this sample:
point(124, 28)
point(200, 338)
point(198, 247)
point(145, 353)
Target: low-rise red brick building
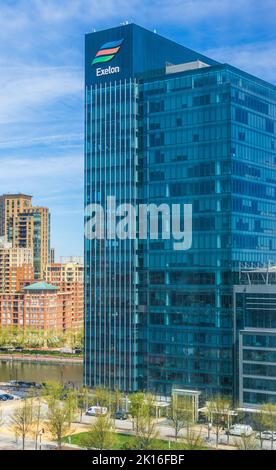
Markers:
point(40, 306)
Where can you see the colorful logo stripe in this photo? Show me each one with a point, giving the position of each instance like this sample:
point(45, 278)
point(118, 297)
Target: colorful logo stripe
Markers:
point(107, 51)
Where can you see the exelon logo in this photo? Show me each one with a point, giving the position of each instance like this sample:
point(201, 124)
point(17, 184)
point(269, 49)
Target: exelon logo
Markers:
point(108, 71)
point(107, 51)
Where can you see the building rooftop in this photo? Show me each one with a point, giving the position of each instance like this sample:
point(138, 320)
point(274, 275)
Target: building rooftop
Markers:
point(19, 195)
point(40, 286)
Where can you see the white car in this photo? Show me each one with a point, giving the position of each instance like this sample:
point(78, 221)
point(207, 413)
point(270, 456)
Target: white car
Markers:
point(96, 411)
point(269, 435)
point(240, 430)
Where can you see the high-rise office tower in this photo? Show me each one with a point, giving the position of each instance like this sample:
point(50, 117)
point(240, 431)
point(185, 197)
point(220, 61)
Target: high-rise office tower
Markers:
point(167, 125)
point(26, 226)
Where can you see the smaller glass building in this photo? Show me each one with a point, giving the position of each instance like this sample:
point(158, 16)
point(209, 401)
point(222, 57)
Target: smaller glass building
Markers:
point(255, 337)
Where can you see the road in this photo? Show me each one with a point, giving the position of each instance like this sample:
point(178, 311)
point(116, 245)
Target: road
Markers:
point(8, 441)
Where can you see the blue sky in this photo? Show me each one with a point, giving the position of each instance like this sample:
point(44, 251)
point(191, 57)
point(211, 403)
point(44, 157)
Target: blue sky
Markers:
point(41, 83)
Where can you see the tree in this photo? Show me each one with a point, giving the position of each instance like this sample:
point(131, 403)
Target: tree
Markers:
point(58, 421)
point(269, 419)
point(218, 411)
point(37, 419)
point(1, 418)
point(181, 414)
point(22, 420)
point(5, 336)
point(259, 422)
point(61, 410)
point(73, 338)
point(143, 419)
point(82, 400)
point(101, 434)
point(136, 405)
point(52, 391)
point(116, 398)
point(192, 441)
point(102, 397)
point(246, 442)
point(71, 402)
point(147, 433)
point(138, 410)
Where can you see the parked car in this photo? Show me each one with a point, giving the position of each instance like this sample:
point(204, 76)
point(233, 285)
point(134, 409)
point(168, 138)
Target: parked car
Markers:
point(3, 398)
point(240, 430)
point(269, 435)
point(22, 384)
point(96, 411)
point(202, 419)
point(120, 415)
point(15, 397)
point(8, 396)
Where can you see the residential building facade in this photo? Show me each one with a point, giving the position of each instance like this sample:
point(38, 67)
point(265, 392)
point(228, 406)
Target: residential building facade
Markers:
point(68, 277)
point(26, 226)
point(11, 205)
point(16, 267)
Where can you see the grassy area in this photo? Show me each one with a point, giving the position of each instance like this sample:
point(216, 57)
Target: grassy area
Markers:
point(124, 441)
point(39, 352)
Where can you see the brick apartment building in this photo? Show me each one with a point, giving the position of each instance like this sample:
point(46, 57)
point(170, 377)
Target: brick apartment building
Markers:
point(39, 306)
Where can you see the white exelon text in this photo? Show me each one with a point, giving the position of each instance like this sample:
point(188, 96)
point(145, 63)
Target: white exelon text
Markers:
point(108, 71)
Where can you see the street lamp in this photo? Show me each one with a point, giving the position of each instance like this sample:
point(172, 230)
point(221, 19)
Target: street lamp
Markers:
point(40, 437)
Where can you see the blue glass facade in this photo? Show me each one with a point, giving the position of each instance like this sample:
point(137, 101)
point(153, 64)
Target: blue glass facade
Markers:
point(155, 317)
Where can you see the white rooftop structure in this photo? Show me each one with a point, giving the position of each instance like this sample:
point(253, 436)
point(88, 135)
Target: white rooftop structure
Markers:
point(197, 64)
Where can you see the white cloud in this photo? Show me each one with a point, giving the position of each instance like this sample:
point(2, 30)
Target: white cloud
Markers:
point(153, 12)
point(179, 12)
point(95, 10)
point(41, 91)
point(66, 140)
point(53, 170)
point(255, 58)
point(24, 91)
point(13, 18)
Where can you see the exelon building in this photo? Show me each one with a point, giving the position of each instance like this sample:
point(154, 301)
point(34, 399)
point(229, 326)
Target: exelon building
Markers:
point(165, 124)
